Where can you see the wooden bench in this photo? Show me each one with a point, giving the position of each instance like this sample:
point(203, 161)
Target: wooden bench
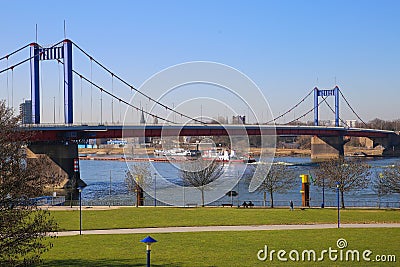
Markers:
point(227, 205)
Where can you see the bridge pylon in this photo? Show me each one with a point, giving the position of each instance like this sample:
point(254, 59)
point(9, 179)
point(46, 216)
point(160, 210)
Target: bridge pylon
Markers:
point(325, 93)
point(52, 53)
point(35, 89)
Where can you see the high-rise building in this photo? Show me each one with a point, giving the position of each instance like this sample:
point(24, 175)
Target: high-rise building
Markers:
point(25, 109)
point(238, 119)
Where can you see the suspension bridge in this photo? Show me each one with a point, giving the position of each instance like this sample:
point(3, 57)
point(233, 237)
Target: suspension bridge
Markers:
point(59, 140)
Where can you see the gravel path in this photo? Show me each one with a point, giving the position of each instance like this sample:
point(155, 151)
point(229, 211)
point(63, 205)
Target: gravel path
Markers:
point(224, 228)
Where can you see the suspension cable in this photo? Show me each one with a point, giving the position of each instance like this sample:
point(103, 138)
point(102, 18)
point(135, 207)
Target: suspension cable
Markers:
point(12, 88)
point(101, 106)
point(25, 60)
point(334, 113)
point(112, 99)
point(295, 106)
point(135, 89)
point(119, 99)
point(12, 53)
point(119, 107)
point(81, 101)
point(348, 104)
point(114, 96)
point(16, 65)
point(308, 112)
point(59, 90)
point(91, 90)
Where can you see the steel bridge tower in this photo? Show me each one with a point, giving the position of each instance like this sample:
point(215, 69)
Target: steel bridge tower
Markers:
point(325, 93)
point(53, 53)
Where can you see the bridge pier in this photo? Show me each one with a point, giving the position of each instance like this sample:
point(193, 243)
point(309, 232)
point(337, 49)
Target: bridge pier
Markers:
point(64, 155)
point(324, 147)
point(391, 145)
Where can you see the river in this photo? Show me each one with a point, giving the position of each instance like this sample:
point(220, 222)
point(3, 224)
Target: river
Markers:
point(105, 185)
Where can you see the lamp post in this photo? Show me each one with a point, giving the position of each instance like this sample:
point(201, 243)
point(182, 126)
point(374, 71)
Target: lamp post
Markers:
point(80, 210)
point(54, 193)
point(148, 241)
point(54, 109)
point(338, 204)
point(155, 189)
point(184, 196)
point(109, 202)
point(380, 189)
point(238, 187)
point(323, 192)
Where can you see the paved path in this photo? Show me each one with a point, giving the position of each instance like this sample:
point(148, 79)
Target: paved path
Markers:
point(225, 228)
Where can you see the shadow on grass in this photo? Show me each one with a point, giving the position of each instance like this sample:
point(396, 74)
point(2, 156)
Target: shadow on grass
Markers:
point(100, 263)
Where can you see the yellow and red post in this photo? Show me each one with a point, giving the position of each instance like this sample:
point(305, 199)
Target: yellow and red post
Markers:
point(305, 190)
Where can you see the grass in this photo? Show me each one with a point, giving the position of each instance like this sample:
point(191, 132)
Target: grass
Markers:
point(217, 248)
point(162, 217)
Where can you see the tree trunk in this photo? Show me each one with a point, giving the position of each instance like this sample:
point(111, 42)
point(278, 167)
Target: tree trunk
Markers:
point(342, 198)
point(202, 197)
point(272, 198)
point(137, 195)
point(265, 198)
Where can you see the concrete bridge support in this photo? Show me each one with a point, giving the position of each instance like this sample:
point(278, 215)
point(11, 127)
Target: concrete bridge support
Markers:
point(331, 147)
point(391, 145)
point(63, 155)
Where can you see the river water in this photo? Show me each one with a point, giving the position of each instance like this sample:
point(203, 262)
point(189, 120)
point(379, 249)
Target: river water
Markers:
point(106, 186)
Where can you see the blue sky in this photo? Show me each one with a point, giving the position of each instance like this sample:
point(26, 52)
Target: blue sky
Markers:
point(285, 47)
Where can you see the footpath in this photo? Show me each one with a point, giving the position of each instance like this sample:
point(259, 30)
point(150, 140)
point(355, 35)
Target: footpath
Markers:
point(185, 229)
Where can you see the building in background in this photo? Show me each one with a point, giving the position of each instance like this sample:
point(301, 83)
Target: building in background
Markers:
point(238, 119)
point(351, 123)
point(25, 109)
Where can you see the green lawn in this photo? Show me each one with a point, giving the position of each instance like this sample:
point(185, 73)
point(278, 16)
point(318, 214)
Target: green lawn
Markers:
point(162, 216)
point(219, 248)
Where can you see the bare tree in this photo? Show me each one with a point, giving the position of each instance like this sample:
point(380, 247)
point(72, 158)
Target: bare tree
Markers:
point(138, 178)
point(23, 226)
point(200, 173)
point(376, 123)
point(391, 179)
point(278, 178)
point(379, 187)
point(349, 175)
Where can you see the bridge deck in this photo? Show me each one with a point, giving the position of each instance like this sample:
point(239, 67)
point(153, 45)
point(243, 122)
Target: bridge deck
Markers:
point(75, 132)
